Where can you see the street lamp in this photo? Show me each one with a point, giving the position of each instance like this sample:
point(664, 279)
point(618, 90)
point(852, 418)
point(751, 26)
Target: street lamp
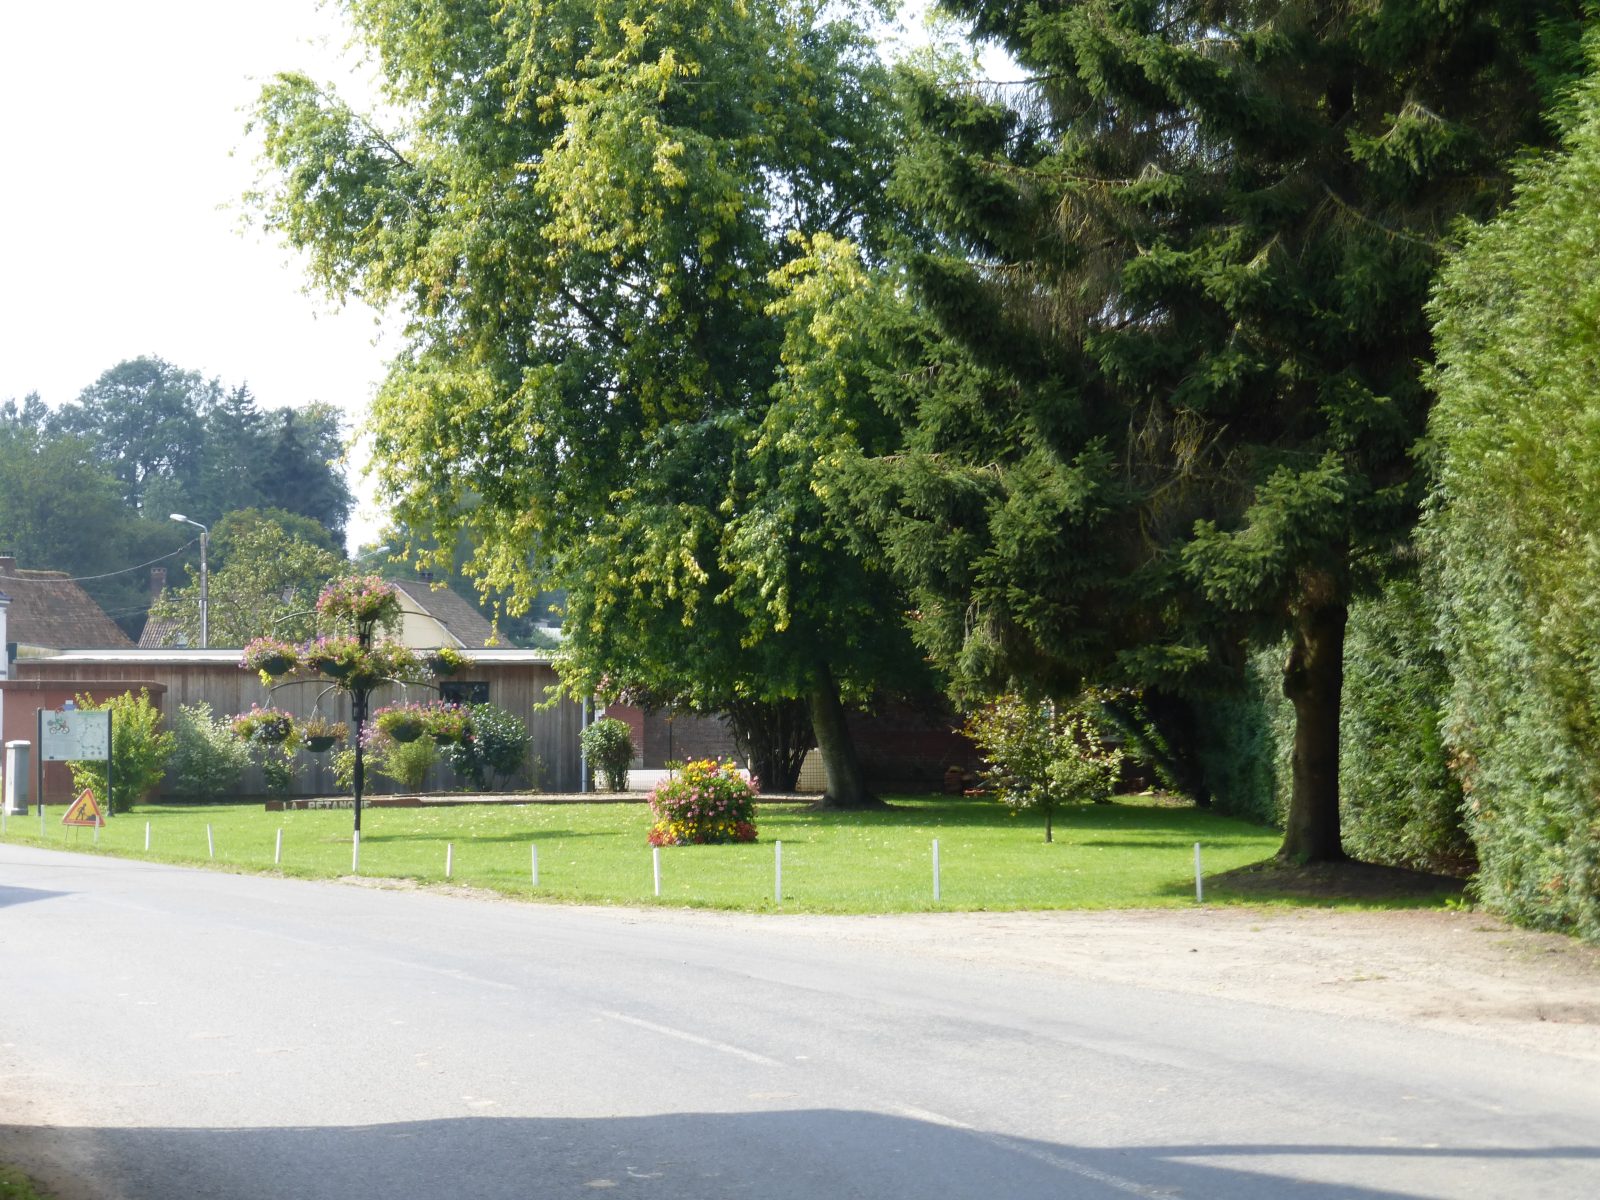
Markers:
point(205, 580)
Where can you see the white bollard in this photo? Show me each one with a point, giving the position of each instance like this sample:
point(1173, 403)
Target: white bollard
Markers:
point(777, 872)
point(355, 853)
point(449, 858)
point(1199, 890)
point(535, 850)
point(655, 859)
point(147, 837)
point(277, 849)
point(211, 846)
point(936, 870)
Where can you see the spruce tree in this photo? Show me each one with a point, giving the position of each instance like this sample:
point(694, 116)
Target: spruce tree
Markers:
point(1184, 269)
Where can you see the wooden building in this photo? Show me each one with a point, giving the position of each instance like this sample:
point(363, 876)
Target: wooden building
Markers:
point(516, 680)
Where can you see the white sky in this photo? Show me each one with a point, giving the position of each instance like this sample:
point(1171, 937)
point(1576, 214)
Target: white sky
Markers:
point(122, 131)
point(119, 202)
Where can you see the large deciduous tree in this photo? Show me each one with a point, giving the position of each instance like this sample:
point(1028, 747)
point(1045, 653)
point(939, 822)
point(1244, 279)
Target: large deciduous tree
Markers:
point(581, 207)
point(1185, 266)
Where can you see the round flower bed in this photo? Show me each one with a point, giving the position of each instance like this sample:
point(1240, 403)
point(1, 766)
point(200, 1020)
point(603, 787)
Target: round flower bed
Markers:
point(704, 803)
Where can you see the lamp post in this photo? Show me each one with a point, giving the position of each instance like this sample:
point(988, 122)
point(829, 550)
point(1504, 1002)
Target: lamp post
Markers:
point(205, 580)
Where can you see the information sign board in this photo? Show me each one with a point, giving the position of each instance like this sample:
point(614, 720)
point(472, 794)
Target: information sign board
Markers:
point(74, 736)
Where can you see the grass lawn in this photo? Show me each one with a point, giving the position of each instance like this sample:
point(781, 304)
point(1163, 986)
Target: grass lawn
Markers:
point(1136, 852)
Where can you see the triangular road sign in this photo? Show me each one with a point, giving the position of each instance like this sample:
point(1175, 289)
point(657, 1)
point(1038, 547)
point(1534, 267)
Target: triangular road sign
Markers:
point(84, 811)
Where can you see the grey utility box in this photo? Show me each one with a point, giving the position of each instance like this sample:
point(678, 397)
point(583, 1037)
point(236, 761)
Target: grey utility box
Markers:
point(17, 777)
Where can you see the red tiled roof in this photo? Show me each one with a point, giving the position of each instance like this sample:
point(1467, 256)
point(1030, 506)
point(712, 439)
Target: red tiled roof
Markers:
point(48, 609)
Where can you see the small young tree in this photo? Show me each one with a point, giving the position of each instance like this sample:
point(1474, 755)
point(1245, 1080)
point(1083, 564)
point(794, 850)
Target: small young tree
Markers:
point(139, 751)
point(608, 744)
point(1043, 756)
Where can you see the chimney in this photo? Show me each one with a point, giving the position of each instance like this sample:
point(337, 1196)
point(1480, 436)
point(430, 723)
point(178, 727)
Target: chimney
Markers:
point(158, 582)
point(8, 563)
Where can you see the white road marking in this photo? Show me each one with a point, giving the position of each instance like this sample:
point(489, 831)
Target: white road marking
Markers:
point(696, 1039)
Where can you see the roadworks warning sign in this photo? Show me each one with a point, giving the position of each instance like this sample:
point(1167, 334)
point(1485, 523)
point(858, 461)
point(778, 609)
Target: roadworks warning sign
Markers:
point(84, 811)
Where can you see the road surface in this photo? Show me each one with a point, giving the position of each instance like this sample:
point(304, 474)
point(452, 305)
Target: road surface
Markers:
point(172, 1033)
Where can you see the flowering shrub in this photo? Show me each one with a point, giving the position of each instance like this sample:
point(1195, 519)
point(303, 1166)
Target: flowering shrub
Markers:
point(263, 725)
point(705, 802)
point(364, 599)
point(271, 656)
point(496, 751)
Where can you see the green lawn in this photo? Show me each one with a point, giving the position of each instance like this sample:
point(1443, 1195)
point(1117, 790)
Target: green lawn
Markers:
point(1133, 853)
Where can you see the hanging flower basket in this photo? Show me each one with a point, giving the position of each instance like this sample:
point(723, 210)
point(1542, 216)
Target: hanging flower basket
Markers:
point(271, 656)
point(321, 735)
point(401, 722)
point(364, 599)
point(270, 726)
point(446, 661)
point(449, 724)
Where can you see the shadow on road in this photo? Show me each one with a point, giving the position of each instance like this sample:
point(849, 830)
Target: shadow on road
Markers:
point(22, 895)
point(807, 1154)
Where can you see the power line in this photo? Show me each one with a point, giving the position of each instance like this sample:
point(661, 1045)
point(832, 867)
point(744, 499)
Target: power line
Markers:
point(124, 570)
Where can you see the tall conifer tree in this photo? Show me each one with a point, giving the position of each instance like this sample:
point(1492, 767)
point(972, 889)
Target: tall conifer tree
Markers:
point(1188, 260)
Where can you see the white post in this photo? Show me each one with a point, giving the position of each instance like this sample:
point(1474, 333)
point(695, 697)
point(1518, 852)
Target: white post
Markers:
point(1199, 890)
point(211, 846)
point(936, 870)
point(97, 833)
point(277, 850)
point(535, 850)
point(449, 857)
point(355, 852)
point(777, 872)
point(655, 859)
point(147, 837)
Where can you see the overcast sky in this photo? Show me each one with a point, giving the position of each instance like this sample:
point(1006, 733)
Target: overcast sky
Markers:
point(120, 202)
point(122, 130)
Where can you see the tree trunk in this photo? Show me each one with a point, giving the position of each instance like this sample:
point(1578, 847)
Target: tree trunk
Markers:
point(1313, 679)
point(847, 782)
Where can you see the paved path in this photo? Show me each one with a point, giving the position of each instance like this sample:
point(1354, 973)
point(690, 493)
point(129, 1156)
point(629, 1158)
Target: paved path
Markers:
point(171, 1033)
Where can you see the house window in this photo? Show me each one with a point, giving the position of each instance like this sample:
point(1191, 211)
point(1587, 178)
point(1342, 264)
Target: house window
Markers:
point(457, 691)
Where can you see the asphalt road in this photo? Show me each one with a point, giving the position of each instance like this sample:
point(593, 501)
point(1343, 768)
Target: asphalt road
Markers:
point(170, 1033)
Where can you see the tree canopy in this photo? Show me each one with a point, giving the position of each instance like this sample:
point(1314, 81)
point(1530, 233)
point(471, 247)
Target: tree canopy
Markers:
point(1181, 275)
point(582, 208)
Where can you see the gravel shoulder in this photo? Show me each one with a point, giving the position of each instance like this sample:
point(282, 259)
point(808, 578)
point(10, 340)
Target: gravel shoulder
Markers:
point(1460, 972)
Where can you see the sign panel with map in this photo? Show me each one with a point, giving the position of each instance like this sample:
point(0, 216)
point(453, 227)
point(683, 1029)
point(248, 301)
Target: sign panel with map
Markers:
point(73, 735)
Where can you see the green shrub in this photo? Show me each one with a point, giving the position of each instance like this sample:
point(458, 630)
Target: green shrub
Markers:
point(1243, 739)
point(496, 752)
point(407, 763)
point(206, 760)
point(1402, 804)
point(139, 750)
point(1043, 755)
point(703, 803)
point(608, 744)
point(1514, 535)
